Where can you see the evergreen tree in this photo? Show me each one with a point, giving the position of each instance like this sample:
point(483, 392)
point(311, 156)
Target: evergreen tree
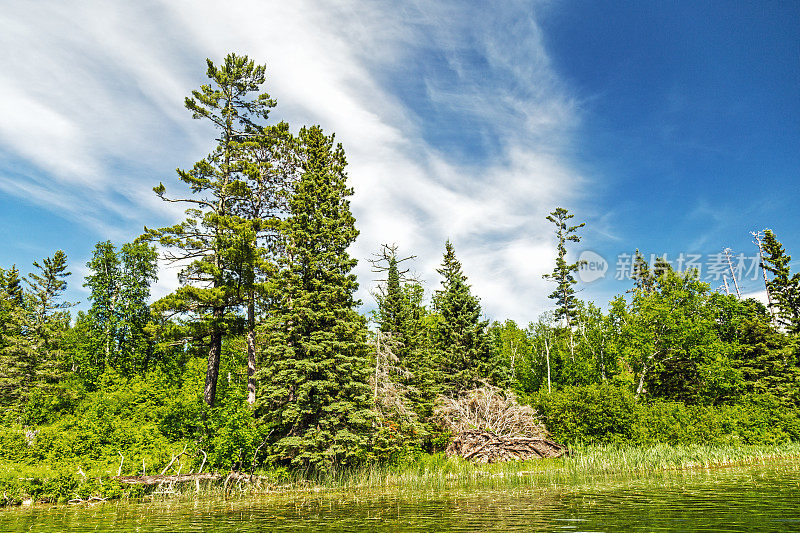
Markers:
point(11, 315)
point(32, 356)
point(395, 308)
point(784, 288)
point(563, 273)
point(267, 174)
point(313, 392)
point(460, 340)
point(12, 283)
point(403, 316)
point(213, 237)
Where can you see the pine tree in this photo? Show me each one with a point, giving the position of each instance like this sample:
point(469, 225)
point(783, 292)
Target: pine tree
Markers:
point(783, 287)
point(313, 391)
point(213, 237)
point(11, 315)
point(267, 174)
point(562, 275)
point(460, 338)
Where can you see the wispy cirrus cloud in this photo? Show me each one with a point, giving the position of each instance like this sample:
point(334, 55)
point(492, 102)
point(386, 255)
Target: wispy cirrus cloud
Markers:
point(453, 119)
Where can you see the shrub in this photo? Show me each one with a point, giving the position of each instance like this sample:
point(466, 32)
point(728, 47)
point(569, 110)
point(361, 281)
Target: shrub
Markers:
point(596, 413)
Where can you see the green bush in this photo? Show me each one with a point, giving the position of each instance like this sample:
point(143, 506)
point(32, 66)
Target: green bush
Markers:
point(594, 413)
point(609, 414)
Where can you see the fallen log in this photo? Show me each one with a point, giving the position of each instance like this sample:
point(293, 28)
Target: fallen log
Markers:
point(171, 478)
point(487, 447)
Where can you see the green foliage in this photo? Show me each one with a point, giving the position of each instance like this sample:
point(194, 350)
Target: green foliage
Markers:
point(119, 316)
point(459, 338)
point(562, 275)
point(31, 335)
point(784, 287)
point(594, 413)
point(669, 338)
point(609, 414)
point(214, 238)
point(313, 393)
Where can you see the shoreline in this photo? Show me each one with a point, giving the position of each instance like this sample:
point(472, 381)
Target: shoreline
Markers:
point(429, 474)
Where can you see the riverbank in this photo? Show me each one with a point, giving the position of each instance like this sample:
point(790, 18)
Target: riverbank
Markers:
point(28, 484)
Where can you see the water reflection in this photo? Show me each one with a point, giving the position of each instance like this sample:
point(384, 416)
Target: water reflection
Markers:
point(744, 499)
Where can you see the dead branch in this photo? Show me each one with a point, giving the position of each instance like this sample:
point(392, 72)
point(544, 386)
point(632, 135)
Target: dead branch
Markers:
point(488, 409)
point(486, 447)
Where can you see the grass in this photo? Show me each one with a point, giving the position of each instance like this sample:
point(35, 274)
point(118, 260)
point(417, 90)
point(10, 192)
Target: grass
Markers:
point(432, 473)
point(587, 465)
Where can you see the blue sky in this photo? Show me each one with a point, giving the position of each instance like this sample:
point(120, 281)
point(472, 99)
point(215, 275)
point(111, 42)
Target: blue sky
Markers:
point(673, 127)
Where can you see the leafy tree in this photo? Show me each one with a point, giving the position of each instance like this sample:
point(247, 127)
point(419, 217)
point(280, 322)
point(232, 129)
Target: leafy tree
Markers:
point(313, 392)
point(459, 338)
point(669, 339)
point(563, 272)
point(784, 288)
point(213, 238)
point(513, 349)
point(119, 315)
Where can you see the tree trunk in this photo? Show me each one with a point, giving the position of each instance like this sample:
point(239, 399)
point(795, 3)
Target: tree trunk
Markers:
point(640, 387)
point(212, 370)
point(251, 350)
point(547, 354)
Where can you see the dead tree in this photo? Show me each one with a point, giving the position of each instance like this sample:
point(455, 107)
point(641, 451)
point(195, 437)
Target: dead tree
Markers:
point(727, 253)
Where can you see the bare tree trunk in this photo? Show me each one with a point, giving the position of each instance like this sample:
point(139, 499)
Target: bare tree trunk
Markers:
point(251, 349)
point(733, 274)
point(547, 355)
point(212, 370)
point(640, 386)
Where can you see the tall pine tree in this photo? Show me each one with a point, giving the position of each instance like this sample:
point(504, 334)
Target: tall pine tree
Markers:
point(214, 239)
point(563, 273)
point(313, 391)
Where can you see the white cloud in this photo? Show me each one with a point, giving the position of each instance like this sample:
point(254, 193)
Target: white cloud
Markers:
point(94, 95)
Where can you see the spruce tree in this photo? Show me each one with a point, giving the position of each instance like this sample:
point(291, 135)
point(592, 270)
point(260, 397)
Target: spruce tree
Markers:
point(784, 288)
point(216, 241)
point(313, 391)
point(403, 316)
point(32, 354)
point(460, 338)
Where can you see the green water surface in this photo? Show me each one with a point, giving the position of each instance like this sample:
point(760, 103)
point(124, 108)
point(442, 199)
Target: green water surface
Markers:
point(760, 498)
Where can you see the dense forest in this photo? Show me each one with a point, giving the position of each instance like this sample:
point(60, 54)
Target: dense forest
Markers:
point(261, 358)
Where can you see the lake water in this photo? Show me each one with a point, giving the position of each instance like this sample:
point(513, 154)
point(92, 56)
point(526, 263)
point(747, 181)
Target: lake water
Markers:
point(759, 498)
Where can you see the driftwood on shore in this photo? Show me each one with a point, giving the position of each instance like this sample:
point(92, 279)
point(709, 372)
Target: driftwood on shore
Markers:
point(186, 478)
point(487, 447)
point(170, 478)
